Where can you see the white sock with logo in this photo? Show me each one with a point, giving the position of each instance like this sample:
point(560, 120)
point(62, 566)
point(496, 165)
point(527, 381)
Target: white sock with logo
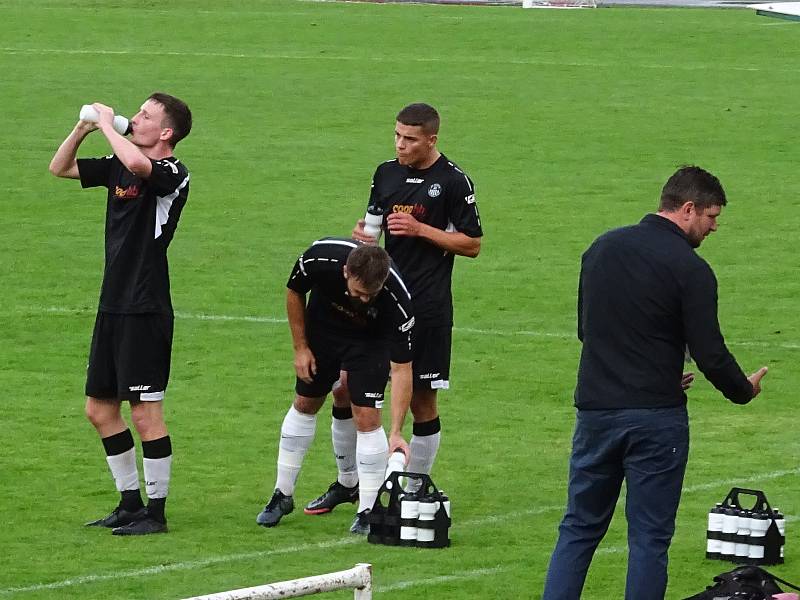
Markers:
point(297, 433)
point(372, 450)
point(157, 473)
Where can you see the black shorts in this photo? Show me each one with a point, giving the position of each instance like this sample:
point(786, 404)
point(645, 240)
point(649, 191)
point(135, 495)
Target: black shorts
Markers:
point(130, 356)
point(366, 363)
point(431, 348)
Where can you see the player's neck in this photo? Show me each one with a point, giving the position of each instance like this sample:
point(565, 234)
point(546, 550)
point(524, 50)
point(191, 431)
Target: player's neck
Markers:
point(428, 162)
point(157, 152)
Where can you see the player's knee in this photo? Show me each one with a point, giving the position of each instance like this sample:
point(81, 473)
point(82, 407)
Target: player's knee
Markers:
point(149, 424)
point(306, 405)
point(100, 413)
point(341, 396)
point(366, 418)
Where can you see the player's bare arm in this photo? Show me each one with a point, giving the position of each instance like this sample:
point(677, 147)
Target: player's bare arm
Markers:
point(128, 153)
point(450, 241)
point(64, 162)
point(401, 401)
point(304, 362)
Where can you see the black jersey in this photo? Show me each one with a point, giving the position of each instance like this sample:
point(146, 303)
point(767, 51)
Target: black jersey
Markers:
point(389, 316)
point(441, 196)
point(141, 218)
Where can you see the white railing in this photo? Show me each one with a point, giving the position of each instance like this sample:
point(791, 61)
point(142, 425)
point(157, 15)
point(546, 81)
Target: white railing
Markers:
point(359, 577)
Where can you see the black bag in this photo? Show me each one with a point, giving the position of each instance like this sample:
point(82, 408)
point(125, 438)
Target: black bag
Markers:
point(743, 583)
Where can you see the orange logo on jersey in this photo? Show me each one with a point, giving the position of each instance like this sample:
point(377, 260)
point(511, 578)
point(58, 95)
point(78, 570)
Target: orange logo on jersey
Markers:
point(132, 191)
point(417, 211)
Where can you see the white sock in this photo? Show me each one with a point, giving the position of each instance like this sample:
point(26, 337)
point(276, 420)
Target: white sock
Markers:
point(343, 434)
point(156, 476)
point(297, 433)
point(372, 450)
point(423, 452)
point(124, 470)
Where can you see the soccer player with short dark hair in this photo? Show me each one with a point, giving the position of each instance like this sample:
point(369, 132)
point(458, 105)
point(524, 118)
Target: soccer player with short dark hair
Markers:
point(129, 359)
point(359, 319)
point(430, 216)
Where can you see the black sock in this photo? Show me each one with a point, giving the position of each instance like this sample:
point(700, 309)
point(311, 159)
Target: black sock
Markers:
point(155, 508)
point(131, 500)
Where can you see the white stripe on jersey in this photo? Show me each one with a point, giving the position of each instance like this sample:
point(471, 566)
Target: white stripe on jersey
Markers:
point(400, 281)
point(301, 262)
point(462, 172)
point(310, 260)
point(164, 203)
point(336, 242)
point(399, 306)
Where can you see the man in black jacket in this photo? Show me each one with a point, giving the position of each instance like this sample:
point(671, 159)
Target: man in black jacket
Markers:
point(645, 298)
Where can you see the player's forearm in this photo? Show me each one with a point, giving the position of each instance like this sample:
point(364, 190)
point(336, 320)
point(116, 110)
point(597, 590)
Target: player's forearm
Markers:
point(401, 395)
point(64, 162)
point(296, 314)
point(127, 152)
point(454, 242)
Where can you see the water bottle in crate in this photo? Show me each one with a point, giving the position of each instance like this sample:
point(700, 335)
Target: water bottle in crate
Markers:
point(420, 518)
point(754, 536)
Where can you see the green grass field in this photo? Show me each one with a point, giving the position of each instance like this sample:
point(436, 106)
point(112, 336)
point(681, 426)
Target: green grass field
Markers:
point(569, 122)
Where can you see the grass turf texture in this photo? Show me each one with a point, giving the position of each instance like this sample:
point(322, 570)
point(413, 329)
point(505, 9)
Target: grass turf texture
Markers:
point(569, 123)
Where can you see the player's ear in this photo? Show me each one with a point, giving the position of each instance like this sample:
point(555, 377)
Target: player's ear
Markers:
point(344, 271)
point(687, 209)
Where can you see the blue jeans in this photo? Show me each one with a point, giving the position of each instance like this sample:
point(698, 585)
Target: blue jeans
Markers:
point(649, 449)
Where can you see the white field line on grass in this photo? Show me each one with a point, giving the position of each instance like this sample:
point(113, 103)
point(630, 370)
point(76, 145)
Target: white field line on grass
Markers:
point(387, 59)
point(472, 330)
point(460, 576)
point(469, 524)
point(214, 560)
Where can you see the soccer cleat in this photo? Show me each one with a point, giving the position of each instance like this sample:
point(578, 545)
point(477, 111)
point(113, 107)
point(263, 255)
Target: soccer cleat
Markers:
point(144, 526)
point(119, 517)
point(337, 494)
point(360, 524)
point(278, 506)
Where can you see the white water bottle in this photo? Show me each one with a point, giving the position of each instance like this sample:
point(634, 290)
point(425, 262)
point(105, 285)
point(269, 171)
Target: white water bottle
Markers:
point(427, 516)
point(373, 221)
point(780, 521)
point(409, 512)
point(88, 113)
point(759, 523)
point(742, 545)
point(730, 525)
point(397, 463)
point(713, 543)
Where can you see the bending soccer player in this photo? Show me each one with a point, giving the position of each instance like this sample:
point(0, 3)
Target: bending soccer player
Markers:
point(430, 216)
point(359, 319)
